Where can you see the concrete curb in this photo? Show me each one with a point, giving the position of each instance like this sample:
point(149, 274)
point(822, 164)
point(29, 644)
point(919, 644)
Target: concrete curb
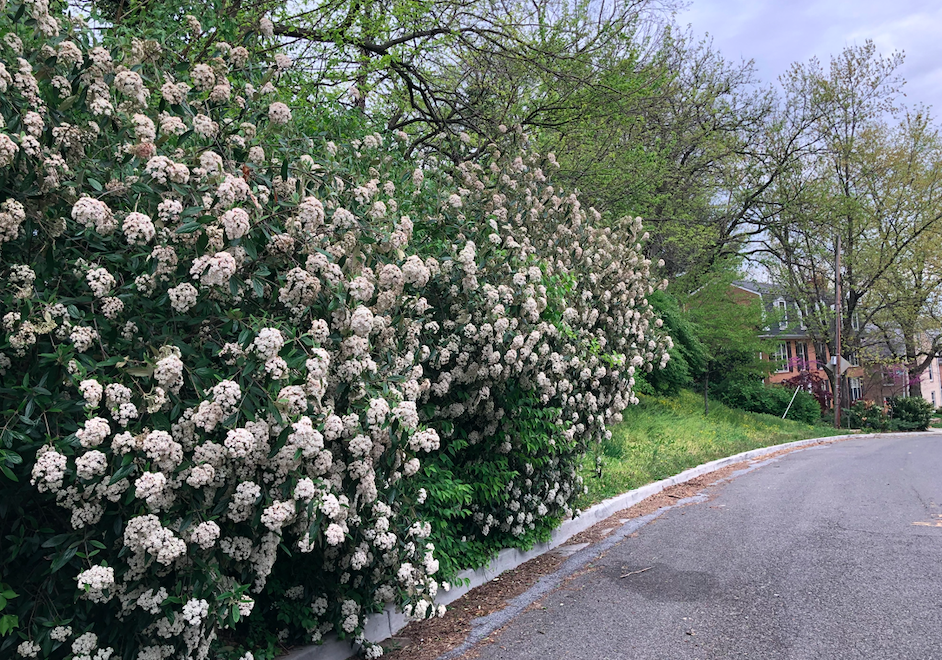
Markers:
point(384, 625)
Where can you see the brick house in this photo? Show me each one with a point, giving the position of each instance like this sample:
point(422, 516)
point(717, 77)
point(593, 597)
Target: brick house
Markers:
point(795, 350)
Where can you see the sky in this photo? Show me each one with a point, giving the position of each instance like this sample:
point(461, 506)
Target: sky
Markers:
point(775, 33)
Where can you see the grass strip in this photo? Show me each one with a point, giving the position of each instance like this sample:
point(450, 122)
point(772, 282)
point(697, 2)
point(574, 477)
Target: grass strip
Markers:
point(662, 436)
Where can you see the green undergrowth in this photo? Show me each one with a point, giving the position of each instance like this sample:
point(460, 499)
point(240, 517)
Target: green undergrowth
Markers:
point(663, 436)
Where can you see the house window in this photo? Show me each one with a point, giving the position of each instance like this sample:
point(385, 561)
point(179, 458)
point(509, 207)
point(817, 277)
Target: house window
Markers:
point(855, 321)
point(801, 317)
point(855, 391)
point(933, 399)
point(930, 372)
point(781, 309)
point(854, 358)
point(801, 355)
point(781, 357)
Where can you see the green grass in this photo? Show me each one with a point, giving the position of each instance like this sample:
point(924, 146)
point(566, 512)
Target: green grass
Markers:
point(661, 437)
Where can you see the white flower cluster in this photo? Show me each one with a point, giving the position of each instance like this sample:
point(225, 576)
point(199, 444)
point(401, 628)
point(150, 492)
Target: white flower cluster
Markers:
point(95, 582)
point(12, 213)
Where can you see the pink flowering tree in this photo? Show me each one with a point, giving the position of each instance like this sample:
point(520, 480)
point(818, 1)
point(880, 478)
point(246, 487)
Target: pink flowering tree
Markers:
point(236, 362)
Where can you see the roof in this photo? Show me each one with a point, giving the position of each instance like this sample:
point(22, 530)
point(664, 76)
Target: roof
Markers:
point(770, 294)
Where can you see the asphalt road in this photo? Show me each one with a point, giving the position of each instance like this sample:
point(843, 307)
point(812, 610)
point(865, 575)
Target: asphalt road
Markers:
point(832, 552)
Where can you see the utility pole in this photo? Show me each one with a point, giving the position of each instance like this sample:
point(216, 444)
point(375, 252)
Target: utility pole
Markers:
point(837, 338)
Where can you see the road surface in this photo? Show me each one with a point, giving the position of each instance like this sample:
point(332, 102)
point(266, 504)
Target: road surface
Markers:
point(832, 552)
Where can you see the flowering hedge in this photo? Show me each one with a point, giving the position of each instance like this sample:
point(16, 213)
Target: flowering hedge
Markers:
point(247, 373)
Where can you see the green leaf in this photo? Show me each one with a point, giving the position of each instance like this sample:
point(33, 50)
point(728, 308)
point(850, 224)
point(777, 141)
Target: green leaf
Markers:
point(95, 183)
point(56, 540)
point(63, 559)
point(121, 473)
point(7, 623)
point(188, 227)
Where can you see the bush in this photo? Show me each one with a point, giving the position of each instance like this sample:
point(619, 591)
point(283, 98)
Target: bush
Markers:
point(899, 414)
point(865, 415)
point(245, 373)
point(755, 397)
point(912, 413)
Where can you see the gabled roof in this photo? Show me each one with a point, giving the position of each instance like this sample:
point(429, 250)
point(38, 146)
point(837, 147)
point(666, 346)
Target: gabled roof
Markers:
point(761, 288)
point(770, 294)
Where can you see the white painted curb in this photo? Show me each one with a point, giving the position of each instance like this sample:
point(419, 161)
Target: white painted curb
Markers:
point(387, 623)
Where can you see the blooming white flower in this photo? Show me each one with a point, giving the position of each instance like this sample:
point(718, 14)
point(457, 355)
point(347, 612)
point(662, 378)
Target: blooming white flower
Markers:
point(12, 213)
point(138, 228)
point(205, 127)
point(91, 212)
point(91, 391)
point(279, 113)
point(203, 77)
point(240, 443)
point(205, 534)
point(183, 297)
point(93, 432)
point(215, 270)
point(334, 534)
point(28, 649)
point(91, 464)
point(194, 611)
point(95, 581)
point(236, 223)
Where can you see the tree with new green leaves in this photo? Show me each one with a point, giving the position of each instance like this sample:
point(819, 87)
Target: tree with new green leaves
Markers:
point(671, 135)
point(871, 176)
point(434, 69)
point(729, 326)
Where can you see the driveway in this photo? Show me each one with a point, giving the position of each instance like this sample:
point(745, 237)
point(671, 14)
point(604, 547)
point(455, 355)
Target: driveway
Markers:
point(832, 552)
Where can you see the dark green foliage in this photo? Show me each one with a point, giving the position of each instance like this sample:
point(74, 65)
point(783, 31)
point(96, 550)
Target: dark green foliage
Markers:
point(773, 400)
point(8, 622)
point(467, 482)
point(688, 357)
point(900, 414)
point(865, 415)
point(912, 413)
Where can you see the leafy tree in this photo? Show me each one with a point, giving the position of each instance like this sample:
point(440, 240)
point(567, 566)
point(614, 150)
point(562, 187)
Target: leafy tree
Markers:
point(729, 328)
point(869, 174)
point(688, 355)
point(671, 136)
point(435, 69)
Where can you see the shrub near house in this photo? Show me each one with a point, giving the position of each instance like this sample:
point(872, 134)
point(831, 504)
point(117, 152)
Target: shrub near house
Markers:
point(241, 370)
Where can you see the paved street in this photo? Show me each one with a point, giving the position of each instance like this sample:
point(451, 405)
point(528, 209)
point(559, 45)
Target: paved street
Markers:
point(832, 552)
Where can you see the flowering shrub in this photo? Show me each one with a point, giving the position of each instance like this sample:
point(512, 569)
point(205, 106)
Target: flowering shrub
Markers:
point(239, 365)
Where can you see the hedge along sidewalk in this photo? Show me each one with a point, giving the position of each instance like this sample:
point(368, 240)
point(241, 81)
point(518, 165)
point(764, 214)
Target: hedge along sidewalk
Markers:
point(387, 623)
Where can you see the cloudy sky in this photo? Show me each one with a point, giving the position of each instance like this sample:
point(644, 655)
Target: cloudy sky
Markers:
point(776, 33)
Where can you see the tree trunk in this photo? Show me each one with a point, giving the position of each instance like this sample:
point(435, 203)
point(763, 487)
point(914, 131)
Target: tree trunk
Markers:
point(913, 370)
